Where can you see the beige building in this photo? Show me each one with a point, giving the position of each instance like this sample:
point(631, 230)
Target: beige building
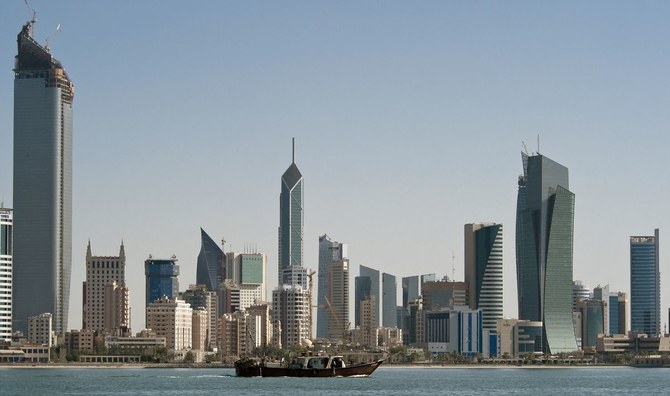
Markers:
point(106, 298)
point(200, 329)
point(40, 330)
point(337, 299)
point(171, 318)
point(444, 294)
point(232, 334)
point(368, 311)
point(264, 327)
point(80, 341)
point(389, 336)
point(291, 306)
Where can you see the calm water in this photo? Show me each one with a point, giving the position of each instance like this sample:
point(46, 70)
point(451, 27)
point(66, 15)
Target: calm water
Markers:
point(385, 381)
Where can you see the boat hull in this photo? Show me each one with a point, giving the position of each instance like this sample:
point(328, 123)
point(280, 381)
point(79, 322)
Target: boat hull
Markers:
point(249, 370)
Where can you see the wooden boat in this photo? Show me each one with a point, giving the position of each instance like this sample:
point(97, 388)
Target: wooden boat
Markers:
point(304, 366)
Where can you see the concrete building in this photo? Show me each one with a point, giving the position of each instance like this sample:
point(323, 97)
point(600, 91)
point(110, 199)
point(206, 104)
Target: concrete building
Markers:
point(444, 294)
point(369, 325)
point(337, 299)
point(484, 270)
point(172, 318)
point(229, 297)
point(210, 270)
point(544, 244)
point(389, 300)
point(161, 278)
point(291, 220)
point(43, 95)
point(40, 329)
point(456, 330)
point(645, 285)
point(233, 334)
point(329, 251)
point(367, 284)
point(5, 273)
point(200, 329)
point(291, 307)
point(106, 305)
point(80, 341)
point(247, 271)
point(263, 333)
point(199, 298)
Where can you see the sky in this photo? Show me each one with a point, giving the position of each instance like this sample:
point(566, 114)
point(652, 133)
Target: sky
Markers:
point(409, 119)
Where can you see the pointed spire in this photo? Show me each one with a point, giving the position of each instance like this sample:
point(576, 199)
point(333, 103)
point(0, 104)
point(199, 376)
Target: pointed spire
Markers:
point(293, 151)
point(122, 252)
point(88, 250)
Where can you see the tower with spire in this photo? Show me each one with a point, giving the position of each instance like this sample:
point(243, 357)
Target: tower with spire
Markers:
point(290, 268)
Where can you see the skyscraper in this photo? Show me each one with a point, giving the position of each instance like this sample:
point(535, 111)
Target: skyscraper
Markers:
point(544, 240)
point(645, 285)
point(484, 270)
point(329, 251)
point(290, 220)
point(5, 273)
point(389, 300)
point(43, 95)
point(161, 278)
point(337, 300)
point(211, 263)
point(367, 285)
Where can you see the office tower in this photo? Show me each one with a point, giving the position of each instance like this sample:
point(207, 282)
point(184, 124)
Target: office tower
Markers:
point(484, 270)
point(389, 300)
point(161, 276)
point(40, 329)
point(444, 294)
point(367, 284)
point(106, 302)
point(362, 291)
point(229, 297)
point(290, 220)
point(368, 310)
point(645, 285)
point(411, 289)
point(43, 96)
point(171, 318)
point(593, 321)
point(290, 312)
point(618, 317)
point(211, 263)
point(579, 290)
point(337, 299)
point(457, 330)
point(329, 251)
point(5, 273)
point(544, 240)
point(247, 271)
point(199, 298)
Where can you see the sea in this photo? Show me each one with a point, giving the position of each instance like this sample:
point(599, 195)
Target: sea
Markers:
point(385, 381)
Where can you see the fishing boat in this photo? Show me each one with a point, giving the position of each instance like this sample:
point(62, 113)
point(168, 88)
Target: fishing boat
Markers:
point(304, 366)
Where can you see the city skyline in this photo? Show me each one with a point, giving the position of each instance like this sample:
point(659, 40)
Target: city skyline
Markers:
point(593, 102)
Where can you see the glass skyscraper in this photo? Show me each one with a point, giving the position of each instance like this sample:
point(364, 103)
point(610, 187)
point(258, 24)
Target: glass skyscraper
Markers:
point(645, 285)
point(211, 263)
point(544, 243)
point(161, 278)
point(329, 251)
point(43, 95)
point(373, 275)
point(389, 300)
point(290, 221)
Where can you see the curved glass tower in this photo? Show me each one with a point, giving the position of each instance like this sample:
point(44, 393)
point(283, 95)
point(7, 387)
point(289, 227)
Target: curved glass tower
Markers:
point(210, 269)
point(290, 222)
point(544, 240)
point(484, 270)
point(43, 95)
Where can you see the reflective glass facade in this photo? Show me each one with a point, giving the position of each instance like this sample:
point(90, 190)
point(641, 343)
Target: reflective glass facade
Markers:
point(645, 285)
point(544, 243)
point(329, 251)
point(161, 279)
point(211, 263)
point(389, 300)
point(290, 221)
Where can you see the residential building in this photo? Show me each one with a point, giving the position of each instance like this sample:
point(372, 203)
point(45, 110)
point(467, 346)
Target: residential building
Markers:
point(161, 278)
point(171, 318)
point(264, 315)
point(229, 297)
point(200, 329)
point(43, 95)
point(389, 300)
point(337, 299)
point(290, 220)
point(210, 269)
point(369, 326)
point(106, 305)
point(645, 285)
point(329, 251)
point(291, 307)
point(544, 243)
point(484, 270)
point(200, 298)
point(233, 334)
point(40, 329)
point(5, 273)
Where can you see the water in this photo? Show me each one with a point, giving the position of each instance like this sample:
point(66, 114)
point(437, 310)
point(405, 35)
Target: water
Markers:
point(385, 381)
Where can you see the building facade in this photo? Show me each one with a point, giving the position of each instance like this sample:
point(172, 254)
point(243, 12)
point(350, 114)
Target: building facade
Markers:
point(580, 290)
point(290, 312)
point(593, 313)
point(171, 318)
point(43, 95)
point(367, 285)
point(484, 270)
point(329, 251)
point(199, 298)
point(247, 271)
point(444, 294)
point(389, 300)
point(161, 278)
point(40, 329)
point(210, 269)
point(645, 285)
point(544, 243)
point(337, 299)
point(290, 220)
point(106, 298)
point(5, 273)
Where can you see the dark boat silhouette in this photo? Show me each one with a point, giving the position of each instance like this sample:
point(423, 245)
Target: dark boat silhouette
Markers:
point(304, 366)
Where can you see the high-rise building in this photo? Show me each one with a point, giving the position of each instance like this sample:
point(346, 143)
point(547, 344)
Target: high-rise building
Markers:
point(593, 314)
point(444, 294)
point(5, 273)
point(291, 312)
point(211, 263)
point(43, 95)
point(247, 271)
point(106, 303)
point(199, 298)
point(484, 270)
point(290, 220)
point(365, 289)
point(329, 251)
point(579, 291)
point(337, 300)
point(645, 285)
point(40, 329)
point(171, 318)
point(544, 242)
point(161, 276)
point(389, 300)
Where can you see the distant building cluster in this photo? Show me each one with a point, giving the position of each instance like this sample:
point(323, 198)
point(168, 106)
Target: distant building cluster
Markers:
point(228, 313)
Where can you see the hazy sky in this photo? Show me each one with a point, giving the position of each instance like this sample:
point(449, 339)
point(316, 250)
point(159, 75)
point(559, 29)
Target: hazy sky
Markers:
point(408, 118)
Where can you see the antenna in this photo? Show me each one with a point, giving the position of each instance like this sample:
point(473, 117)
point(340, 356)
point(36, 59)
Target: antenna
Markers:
point(293, 151)
point(453, 266)
point(538, 143)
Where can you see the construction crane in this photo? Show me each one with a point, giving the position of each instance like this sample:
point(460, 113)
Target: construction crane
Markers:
point(338, 322)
